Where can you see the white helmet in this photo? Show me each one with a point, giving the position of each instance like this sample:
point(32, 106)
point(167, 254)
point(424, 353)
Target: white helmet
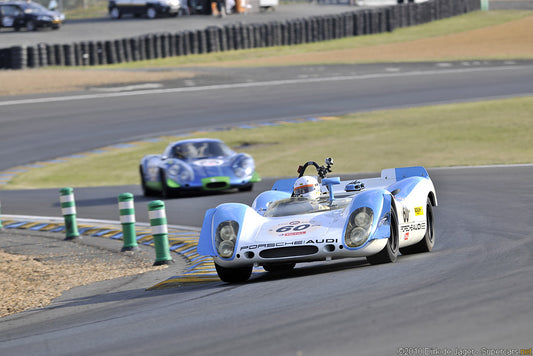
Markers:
point(307, 187)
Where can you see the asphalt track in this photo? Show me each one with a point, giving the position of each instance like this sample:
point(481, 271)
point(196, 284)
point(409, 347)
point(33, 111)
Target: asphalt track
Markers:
point(471, 295)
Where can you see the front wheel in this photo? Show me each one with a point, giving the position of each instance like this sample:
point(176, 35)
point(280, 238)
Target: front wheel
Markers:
point(390, 251)
point(234, 275)
point(427, 243)
point(30, 26)
point(246, 188)
point(166, 191)
point(146, 190)
point(279, 267)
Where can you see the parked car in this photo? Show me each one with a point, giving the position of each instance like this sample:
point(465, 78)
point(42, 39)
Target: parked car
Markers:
point(306, 219)
point(148, 8)
point(31, 15)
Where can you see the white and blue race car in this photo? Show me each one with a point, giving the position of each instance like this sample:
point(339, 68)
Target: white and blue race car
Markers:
point(308, 219)
point(196, 164)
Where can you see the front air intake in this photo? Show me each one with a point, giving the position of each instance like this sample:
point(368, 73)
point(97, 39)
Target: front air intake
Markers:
point(216, 185)
point(291, 251)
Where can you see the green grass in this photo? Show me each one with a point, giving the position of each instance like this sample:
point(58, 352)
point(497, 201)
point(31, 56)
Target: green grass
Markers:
point(487, 132)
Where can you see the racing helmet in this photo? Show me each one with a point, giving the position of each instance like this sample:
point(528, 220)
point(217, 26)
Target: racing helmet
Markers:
point(306, 187)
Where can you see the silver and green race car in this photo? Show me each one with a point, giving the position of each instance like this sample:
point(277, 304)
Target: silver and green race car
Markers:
point(196, 164)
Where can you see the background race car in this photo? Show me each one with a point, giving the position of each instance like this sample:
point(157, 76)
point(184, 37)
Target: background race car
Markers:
point(304, 220)
point(197, 164)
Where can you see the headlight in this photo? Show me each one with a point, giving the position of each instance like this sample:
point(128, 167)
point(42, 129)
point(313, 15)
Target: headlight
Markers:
point(244, 167)
point(226, 237)
point(180, 173)
point(358, 228)
point(363, 218)
point(174, 170)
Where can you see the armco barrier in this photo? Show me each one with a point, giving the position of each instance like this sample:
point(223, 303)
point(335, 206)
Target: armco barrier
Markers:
point(235, 36)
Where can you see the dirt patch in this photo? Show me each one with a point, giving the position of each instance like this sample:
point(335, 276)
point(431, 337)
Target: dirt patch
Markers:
point(35, 81)
point(41, 269)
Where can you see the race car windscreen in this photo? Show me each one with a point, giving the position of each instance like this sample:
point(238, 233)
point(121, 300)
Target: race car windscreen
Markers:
point(299, 205)
point(196, 150)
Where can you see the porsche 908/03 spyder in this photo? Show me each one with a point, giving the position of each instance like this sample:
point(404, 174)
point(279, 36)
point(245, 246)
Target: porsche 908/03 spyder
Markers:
point(197, 164)
point(308, 219)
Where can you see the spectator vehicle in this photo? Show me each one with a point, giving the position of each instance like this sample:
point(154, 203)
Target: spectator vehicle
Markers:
point(29, 15)
point(149, 8)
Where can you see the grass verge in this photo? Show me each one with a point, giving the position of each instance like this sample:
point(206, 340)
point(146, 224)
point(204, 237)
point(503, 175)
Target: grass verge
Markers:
point(479, 133)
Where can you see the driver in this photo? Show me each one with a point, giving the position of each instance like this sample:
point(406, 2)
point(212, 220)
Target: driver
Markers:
point(306, 187)
point(186, 150)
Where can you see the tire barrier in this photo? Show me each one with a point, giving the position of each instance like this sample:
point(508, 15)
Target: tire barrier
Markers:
point(235, 36)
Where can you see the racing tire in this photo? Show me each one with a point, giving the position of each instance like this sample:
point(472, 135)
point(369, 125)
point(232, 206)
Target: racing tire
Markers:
point(151, 12)
point(30, 26)
point(389, 253)
point(166, 191)
point(246, 188)
point(115, 13)
point(279, 267)
point(234, 275)
point(147, 192)
point(427, 243)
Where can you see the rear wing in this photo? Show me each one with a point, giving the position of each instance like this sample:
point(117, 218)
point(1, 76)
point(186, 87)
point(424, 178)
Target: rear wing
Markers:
point(405, 172)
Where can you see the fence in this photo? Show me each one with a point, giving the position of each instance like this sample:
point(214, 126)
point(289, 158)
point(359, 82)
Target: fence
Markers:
point(234, 36)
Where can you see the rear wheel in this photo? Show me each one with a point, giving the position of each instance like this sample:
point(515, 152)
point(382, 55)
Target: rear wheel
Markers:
point(390, 251)
point(115, 13)
point(151, 13)
point(234, 275)
point(427, 243)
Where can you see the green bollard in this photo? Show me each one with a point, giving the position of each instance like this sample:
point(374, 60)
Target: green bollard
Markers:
point(158, 222)
point(127, 219)
point(68, 209)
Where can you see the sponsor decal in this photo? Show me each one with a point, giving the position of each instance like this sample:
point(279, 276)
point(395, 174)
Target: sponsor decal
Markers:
point(405, 214)
point(406, 236)
point(406, 228)
point(293, 228)
point(209, 162)
point(419, 211)
point(289, 243)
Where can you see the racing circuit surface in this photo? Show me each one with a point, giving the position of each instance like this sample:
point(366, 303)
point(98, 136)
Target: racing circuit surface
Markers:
point(471, 295)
